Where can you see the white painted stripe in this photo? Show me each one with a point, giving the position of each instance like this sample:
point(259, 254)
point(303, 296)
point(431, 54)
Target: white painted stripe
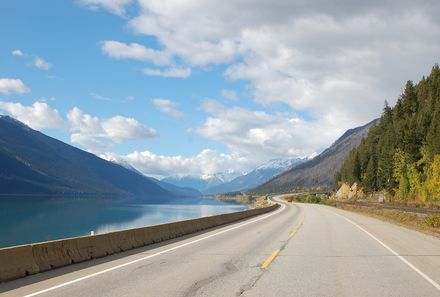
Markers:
point(156, 254)
point(427, 278)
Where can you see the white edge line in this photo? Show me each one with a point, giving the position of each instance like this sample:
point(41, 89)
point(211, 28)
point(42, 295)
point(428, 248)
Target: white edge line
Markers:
point(153, 255)
point(427, 278)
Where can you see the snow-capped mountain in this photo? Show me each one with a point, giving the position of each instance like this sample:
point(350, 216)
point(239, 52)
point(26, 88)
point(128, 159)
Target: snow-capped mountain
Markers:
point(283, 164)
point(258, 176)
point(182, 191)
point(203, 182)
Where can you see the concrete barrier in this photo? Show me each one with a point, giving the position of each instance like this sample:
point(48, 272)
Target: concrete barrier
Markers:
point(20, 261)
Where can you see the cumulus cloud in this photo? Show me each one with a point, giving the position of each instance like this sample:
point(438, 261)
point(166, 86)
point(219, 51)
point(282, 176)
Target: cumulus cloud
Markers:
point(94, 133)
point(42, 64)
point(258, 135)
point(311, 56)
point(9, 86)
point(37, 116)
point(167, 106)
point(328, 66)
point(169, 72)
point(207, 162)
point(114, 6)
point(37, 61)
point(136, 51)
point(89, 131)
point(17, 52)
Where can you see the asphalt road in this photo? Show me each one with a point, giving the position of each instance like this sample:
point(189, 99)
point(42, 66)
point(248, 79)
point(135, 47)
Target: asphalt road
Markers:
point(298, 250)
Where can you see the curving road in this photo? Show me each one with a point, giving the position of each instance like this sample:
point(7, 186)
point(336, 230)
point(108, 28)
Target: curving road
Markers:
point(298, 250)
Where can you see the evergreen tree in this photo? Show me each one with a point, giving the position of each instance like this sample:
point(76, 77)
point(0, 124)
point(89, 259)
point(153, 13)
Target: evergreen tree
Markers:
point(401, 154)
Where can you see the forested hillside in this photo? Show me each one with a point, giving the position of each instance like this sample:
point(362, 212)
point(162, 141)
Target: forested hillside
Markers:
point(401, 154)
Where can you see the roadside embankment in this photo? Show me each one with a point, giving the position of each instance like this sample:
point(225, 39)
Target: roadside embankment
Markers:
point(20, 261)
point(426, 220)
point(419, 219)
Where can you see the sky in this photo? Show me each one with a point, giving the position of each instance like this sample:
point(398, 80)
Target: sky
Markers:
point(186, 87)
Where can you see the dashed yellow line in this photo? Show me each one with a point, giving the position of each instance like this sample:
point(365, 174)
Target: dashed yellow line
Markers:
point(276, 252)
point(270, 259)
point(292, 233)
point(302, 222)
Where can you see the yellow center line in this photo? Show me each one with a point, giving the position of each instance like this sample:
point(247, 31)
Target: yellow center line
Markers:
point(270, 259)
point(292, 234)
point(302, 221)
point(276, 252)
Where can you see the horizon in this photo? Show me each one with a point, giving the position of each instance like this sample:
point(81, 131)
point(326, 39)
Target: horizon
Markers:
point(135, 81)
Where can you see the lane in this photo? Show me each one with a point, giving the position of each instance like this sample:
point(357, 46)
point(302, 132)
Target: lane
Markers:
point(299, 250)
point(233, 258)
point(332, 257)
point(420, 249)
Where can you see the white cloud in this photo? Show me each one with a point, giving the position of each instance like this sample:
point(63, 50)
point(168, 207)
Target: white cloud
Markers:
point(37, 116)
point(207, 162)
point(119, 129)
point(94, 133)
point(310, 56)
point(114, 6)
point(229, 94)
point(169, 72)
point(167, 106)
point(41, 63)
point(17, 52)
point(257, 135)
point(119, 50)
point(9, 86)
point(37, 61)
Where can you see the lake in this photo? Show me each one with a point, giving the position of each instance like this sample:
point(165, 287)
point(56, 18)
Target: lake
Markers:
point(25, 220)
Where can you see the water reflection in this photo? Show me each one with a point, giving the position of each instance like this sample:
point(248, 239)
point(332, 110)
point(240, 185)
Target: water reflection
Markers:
point(25, 221)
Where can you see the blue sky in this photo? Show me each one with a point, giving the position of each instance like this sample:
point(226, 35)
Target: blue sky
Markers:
point(187, 87)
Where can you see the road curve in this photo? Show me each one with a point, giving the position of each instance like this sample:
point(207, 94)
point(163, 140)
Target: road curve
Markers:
point(298, 250)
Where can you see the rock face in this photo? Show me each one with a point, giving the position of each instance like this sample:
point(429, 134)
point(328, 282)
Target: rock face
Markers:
point(319, 172)
point(343, 192)
point(346, 192)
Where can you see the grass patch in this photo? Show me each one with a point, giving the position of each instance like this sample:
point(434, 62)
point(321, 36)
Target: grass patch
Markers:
point(432, 221)
point(429, 224)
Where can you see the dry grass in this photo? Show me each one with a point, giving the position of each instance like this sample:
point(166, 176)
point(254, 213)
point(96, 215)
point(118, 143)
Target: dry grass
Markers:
point(429, 224)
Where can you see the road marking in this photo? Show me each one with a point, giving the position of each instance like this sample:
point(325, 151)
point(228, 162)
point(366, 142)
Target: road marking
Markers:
point(270, 259)
point(292, 234)
point(302, 221)
point(156, 254)
point(427, 278)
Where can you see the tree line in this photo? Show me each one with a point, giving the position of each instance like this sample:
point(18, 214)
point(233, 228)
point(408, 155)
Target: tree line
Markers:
point(401, 153)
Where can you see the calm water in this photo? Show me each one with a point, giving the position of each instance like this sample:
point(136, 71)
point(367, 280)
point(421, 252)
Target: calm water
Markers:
point(25, 221)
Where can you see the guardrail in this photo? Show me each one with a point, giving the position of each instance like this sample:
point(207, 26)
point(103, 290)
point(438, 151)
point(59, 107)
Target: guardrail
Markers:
point(20, 261)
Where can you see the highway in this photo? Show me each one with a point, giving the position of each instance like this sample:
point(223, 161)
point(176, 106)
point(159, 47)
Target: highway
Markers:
point(297, 250)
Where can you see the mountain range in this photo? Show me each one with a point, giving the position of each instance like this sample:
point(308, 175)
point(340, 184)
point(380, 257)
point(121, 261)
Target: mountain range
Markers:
point(319, 172)
point(35, 164)
point(201, 183)
point(256, 177)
